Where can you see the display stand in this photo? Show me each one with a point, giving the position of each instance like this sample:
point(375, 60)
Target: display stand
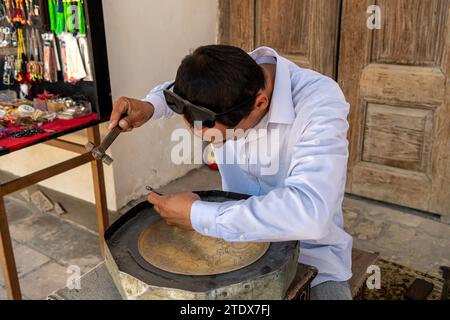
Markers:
point(6, 250)
point(99, 94)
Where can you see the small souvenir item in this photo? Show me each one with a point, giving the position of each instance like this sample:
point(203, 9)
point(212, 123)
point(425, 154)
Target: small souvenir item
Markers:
point(48, 96)
point(84, 50)
point(8, 73)
point(76, 111)
point(3, 42)
point(18, 102)
point(26, 133)
point(26, 109)
point(9, 11)
point(56, 105)
point(24, 90)
point(21, 62)
point(38, 116)
point(62, 47)
point(35, 71)
point(50, 63)
point(6, 96)
point(36, 8)
point(57, 58)
point(18, 12)
point(28, 11)
point(6, 37)
point(39, 104)
point(71, 57)
point(34, 44)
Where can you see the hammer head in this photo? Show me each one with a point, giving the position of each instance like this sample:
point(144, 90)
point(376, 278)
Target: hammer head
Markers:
point(99, 154)
point(89, 147)
point(107, 160)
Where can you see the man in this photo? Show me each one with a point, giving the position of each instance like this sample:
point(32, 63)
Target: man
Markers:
point(223, 88)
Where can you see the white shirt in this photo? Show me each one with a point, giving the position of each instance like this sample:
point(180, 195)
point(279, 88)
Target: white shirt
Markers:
point(303, 199)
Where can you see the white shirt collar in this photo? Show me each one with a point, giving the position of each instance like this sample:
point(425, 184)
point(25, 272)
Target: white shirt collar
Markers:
point(282, 107)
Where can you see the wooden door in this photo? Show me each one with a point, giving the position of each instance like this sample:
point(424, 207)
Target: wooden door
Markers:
point(396, 80)
point(304, 31)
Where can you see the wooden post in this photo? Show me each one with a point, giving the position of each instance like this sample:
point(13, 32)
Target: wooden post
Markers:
point(7, 257)
point(99, 188)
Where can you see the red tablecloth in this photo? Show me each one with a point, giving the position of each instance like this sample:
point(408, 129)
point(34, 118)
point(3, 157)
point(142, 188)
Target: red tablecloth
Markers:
point(60, 126)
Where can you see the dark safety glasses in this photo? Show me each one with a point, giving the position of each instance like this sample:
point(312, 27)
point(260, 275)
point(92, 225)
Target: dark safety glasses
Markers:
point(180, 106)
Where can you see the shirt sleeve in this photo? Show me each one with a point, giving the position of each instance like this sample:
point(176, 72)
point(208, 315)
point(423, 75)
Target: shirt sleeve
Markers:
point(303, 207)
point(156, 98)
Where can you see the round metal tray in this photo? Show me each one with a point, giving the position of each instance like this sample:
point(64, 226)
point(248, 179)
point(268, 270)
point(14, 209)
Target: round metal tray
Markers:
point(189, 253)
point(122, 240)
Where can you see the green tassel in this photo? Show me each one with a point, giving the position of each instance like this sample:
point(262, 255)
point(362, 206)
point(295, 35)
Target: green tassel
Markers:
point(60, 18)
point(81, 18)
point(52, 14)
point(69, 16)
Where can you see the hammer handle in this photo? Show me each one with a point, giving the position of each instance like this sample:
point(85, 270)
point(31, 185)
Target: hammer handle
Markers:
point(110, 138)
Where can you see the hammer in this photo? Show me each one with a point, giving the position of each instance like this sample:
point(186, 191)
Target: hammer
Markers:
point(99, 153)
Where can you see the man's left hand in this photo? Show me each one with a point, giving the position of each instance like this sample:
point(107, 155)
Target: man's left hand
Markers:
point(175, 209)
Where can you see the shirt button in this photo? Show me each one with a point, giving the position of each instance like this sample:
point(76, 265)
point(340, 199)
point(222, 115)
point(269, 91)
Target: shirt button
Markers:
point(206, 230)
point(242, 237)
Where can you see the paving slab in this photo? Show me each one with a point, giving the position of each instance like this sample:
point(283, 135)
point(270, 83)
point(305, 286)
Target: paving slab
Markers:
point(58, 239)
point(38, 284)
point(400, 235)
point(396, 235)
point(16, 210)
point(368, 229)
point(27, 260)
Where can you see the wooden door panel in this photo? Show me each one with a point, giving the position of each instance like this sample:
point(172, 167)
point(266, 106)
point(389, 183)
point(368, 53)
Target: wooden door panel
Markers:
point(304, 31)
point(406, 132)
point(396, 82)
point(274, 17)
point(236, 26)
point(410, 84)
point(411, 33)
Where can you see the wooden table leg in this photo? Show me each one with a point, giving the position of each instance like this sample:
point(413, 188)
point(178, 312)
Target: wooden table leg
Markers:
point(99, 188)
point(7, 257)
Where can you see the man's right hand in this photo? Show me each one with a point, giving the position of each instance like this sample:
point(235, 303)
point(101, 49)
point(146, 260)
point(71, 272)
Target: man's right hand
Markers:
point(130, 113)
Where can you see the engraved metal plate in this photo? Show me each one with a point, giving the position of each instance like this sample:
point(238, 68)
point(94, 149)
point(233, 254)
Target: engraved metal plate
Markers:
point(138, 278)
point(189, 253)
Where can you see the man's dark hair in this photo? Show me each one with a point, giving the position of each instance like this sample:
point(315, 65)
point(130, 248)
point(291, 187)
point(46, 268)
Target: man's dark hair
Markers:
point(220, 77)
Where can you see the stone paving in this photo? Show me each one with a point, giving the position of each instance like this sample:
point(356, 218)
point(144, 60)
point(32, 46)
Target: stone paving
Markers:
point(400, 235)
point(45, 245)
